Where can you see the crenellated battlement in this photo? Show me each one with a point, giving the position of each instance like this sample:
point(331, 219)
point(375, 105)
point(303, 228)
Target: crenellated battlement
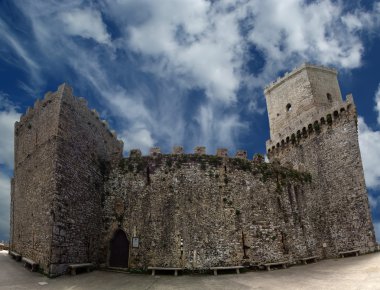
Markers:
point(81, 103)
point(198, 151)
point(151, 164)
point(39, 104)
point(323, 121)
point(64, 93)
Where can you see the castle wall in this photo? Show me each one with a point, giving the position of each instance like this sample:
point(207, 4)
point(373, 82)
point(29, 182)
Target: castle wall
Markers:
point(86, 151)
point(329, 150)
point(208, 202)
point(72, 190)
point(33, 186)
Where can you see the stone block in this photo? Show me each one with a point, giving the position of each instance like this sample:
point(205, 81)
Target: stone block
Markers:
point(241, 154)
point(200, 150)
point(177, 150)
point(222, 152)
point(258, 158)
point(135, 153)
point(154, 151)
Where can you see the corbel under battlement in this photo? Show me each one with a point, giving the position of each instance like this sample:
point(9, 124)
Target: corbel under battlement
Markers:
point(328, 118)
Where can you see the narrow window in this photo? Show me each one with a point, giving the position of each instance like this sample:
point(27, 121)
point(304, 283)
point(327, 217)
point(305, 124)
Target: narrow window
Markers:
point(147, 175)
point(284, 243)
point(328, 95)
point(288, 107)
point(290, 196)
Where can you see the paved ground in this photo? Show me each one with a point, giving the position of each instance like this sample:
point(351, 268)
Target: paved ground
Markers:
point(361, 272)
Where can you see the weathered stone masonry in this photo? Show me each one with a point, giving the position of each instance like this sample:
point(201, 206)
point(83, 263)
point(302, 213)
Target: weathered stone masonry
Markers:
point(62, 153)
point(75, 199)
point(208, 202)
point(325, 144)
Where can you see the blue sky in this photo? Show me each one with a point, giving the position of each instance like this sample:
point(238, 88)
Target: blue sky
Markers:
point(186, 72)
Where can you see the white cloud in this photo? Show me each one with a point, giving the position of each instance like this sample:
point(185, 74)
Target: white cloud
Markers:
point(194, 40)
point(377, 106)
point(211, 55)
point(377, 231)
point(8, 116)
point(373, 201)
point(216, 129)
point(86, 23)
point(254, 107)
point(126, 106)
point(369, 141)
point(5, 189)
point(210, 50)
point(180, 46)
point(316, 33)
point(359, 19)
point(137, 139)
point(17, 46)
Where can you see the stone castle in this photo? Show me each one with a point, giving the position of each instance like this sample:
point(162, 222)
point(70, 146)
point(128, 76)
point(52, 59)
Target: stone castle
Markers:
point(76, 199)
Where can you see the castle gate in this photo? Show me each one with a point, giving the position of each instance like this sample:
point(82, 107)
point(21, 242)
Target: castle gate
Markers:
point(119, 250)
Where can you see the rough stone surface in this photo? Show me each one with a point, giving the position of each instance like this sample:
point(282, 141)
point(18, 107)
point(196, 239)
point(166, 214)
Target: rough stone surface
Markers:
point(323, 140)
point(222, 152)
point(339, 201)
point(208, 203)
point(241, 154)
point(135, 153)
point(177, 150)
point(200, 150)
point(72, 191)
point(62, 153)
point(154, 151)
point(305, 90)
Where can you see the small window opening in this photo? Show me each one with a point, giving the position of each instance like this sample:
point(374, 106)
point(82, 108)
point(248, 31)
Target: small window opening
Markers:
point(329, 98)
point(288, 107)
point(284, 243)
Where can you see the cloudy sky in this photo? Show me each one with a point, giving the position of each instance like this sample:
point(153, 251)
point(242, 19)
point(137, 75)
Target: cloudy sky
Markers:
point(186, 72)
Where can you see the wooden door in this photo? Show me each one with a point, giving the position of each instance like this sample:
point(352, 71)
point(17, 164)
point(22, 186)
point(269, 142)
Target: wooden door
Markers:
point(119, 250)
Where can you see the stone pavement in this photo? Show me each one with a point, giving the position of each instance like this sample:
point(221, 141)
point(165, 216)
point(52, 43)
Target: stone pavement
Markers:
point(361, 272)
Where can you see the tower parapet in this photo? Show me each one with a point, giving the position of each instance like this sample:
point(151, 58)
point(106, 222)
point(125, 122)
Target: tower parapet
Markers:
point(300, 97)
point(326, 117)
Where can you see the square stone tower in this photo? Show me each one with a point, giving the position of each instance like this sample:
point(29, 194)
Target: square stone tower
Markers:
point(299, 98)
point(312, 129)
point(62, 154)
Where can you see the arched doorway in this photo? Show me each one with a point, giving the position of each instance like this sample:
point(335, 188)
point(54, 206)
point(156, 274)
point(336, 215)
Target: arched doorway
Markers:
point(119, 250)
